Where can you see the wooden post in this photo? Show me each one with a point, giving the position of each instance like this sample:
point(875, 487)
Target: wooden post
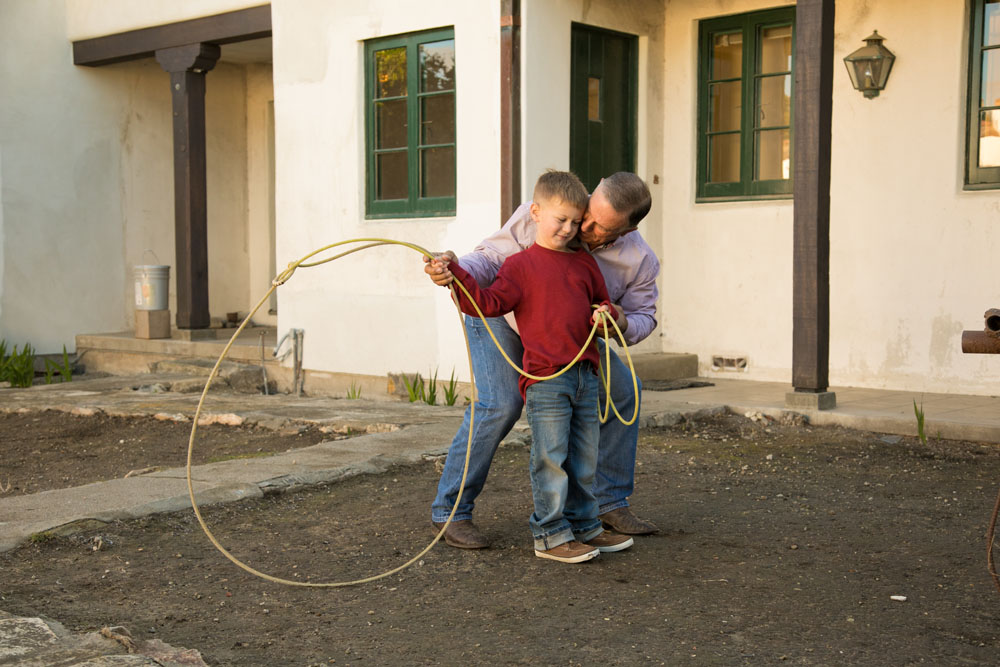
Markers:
point(187, 66)
point(510, 107)
point(812, 111)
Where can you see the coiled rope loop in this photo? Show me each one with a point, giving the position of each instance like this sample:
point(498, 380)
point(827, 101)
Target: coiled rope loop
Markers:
point(283, 277)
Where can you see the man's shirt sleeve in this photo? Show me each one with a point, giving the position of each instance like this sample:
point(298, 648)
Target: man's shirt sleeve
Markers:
point(639, 300)
point(485, 260)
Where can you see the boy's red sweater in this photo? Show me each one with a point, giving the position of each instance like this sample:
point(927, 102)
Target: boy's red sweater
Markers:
point(551, 294)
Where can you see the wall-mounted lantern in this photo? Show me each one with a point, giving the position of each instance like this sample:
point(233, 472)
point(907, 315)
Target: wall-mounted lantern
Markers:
point(869, 66)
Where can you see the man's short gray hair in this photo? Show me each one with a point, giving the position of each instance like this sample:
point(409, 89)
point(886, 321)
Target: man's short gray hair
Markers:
point(627, 194)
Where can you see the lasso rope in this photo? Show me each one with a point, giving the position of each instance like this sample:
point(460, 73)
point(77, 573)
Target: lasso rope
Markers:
point(282, 278)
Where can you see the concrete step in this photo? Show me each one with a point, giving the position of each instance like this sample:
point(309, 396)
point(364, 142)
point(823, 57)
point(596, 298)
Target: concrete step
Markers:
point(665, 365)
point(121, 353)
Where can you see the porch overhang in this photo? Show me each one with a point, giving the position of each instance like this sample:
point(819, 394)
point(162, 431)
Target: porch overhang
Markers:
point(220, 29)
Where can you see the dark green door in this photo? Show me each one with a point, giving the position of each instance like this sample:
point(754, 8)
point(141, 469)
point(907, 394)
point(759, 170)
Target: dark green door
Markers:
point(602, 117)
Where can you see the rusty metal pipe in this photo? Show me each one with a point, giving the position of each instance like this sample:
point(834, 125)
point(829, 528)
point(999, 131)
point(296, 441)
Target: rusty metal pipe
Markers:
point(992, 317)
point(980, 342)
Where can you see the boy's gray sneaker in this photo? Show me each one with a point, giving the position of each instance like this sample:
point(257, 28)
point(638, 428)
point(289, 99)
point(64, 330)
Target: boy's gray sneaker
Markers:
point(609, 541)
point(569, 552)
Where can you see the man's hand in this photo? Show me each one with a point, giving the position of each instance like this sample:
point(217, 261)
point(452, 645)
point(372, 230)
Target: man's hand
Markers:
point(437, 268)
point(621, 320)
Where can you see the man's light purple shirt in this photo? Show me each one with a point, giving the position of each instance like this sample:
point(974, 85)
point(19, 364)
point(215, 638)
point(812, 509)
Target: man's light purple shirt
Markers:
point(628, 264)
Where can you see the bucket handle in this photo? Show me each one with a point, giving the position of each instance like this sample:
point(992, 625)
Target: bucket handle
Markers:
point(147, 250)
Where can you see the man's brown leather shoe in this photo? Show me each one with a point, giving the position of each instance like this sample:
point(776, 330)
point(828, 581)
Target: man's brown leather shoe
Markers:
point(462, 534)
point(622, 520)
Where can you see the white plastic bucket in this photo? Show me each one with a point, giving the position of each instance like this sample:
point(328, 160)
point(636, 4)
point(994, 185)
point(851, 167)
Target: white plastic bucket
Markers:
point(151, 285)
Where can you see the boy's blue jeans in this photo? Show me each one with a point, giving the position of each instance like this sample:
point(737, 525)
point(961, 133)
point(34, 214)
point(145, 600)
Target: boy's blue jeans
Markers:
point(499, 406)
point(565, 431)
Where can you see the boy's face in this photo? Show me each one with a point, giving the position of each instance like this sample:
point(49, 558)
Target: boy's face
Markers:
point(556, 223)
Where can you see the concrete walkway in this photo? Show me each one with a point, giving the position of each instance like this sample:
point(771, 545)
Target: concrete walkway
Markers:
point(395, 432)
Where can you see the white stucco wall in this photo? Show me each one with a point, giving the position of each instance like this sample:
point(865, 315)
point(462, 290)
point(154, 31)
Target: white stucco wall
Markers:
point(374, 312)
point(910, 252)
point(62, 223)
point(913, 259)
point(545, 76)
point(88, 187)
point(726, 267)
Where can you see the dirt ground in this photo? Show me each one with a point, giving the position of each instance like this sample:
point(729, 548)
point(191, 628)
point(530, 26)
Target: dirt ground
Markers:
point(57, 450)
point(780, 545)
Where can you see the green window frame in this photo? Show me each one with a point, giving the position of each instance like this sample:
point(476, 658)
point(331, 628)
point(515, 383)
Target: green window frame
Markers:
point(982, 170)
point(745, 62)
point(410, 125)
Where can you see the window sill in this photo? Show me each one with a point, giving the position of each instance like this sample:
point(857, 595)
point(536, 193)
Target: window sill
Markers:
point(409, 216)
point(981, 186)
point(739, 198)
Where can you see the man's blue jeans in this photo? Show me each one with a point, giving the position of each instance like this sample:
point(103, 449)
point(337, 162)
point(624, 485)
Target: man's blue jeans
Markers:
point(565, 429)
point(499, 406)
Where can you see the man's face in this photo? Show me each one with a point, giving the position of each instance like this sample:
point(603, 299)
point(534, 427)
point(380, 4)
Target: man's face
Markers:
point(602, 224)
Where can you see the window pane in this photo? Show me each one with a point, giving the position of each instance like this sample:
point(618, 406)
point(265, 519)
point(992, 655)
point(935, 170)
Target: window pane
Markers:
point(990, 93)
point(391, 176)
point(726, 106)
point(724, 158)
point(989, 139)
point(773, 151)
point(390, 72)
point(390, 124)
point(593, 98)
point(437, 172)
point(776, 49)
point(991, 23)
point(727, 56)
point(774, 100)
point(437, 119)
point(437, 66)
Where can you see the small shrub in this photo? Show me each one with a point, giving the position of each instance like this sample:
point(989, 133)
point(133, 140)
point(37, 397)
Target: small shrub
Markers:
point(354, 392)
point(919, 412)
point(18, 368)
point(430, 398)
point(451, 390)
point(415, 390)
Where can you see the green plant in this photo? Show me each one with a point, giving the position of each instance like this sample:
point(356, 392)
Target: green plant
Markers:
point(18, 368)
point(919, 412)
point(430, 398)
point(451, 391)
point(65, 370)
point(354, 392)
point(415, 389)
point(41, 538)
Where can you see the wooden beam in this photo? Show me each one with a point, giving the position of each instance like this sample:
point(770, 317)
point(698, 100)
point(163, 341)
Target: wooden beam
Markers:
point(812, 114)
point(237, 26)
point(188, 66)
point(510, 107)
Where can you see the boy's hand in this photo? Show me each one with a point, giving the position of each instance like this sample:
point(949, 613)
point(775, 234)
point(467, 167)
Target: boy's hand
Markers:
point(618, 313)
point(437, 268)
point(595, 318)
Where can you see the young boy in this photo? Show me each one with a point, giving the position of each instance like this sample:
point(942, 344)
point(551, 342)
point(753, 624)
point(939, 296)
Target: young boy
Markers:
point(550, 287)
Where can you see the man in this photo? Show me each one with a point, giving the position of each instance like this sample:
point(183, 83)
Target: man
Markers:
point(630, 268)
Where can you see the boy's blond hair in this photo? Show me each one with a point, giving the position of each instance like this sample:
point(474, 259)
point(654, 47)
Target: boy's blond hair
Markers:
point(561, 185)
